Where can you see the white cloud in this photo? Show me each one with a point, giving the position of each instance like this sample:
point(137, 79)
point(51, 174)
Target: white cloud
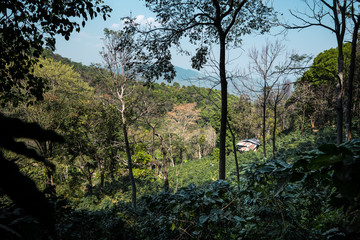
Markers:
point(139, 19)
point(115, 26)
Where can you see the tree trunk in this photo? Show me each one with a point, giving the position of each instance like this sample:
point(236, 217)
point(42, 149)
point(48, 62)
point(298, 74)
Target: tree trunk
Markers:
point(274, 130)
point(303, 122)
point(131, 176)
point(235, 156)
point(90, 187)
point(264, 123)
point(50, 185)
point(102, 179)
point(223, 82)
point(348, 112)
point(112, 169)
point(153, 141)
point(164, 153)
point(339, 96)
point(166, 178)
point(171, 153)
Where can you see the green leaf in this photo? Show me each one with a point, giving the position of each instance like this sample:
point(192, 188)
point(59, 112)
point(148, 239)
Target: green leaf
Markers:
point(301, 163)
point(324, 160)
point(239, 219)
point(203, 219)
point(173, 226)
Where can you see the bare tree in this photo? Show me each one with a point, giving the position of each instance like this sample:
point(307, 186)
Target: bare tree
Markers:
point(279, 92)
point(120, 85)
point(265, 71)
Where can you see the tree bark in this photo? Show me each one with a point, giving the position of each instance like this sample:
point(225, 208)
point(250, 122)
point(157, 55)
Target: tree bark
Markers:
point(131, 175)
point(348, 110)
point(235, 156)
point(199, 146)
point(274, 129)
point(339, 96)
point(164, 153)
point(223, 82)
point(264, 122)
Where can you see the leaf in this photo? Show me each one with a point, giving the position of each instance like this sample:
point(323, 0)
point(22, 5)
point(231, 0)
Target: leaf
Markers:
point(324, 160)
point(266, 169)
point(301, 163)
point(203, 219)
point(239, 219)
point(296, 176)
point(334, 150)
point(173, 226)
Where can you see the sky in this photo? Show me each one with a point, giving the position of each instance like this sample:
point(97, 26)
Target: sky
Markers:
point(85, 46)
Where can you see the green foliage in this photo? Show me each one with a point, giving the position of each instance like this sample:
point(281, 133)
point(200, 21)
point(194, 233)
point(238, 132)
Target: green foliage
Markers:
point(141, 164)
point(324, 67)
point(23, 188)
point(300, 194)
point(336, 168)
point(105, 224)
point(26, 26)
point(202, 213)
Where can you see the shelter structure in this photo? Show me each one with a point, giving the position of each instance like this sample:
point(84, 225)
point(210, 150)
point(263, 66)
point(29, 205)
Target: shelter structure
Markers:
point(248, 144)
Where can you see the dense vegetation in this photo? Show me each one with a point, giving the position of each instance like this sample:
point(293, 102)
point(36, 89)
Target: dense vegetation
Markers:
point(101, 152)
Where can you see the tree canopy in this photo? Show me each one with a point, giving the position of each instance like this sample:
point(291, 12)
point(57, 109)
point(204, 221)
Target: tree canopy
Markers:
point(29, 26)
point(205, 23)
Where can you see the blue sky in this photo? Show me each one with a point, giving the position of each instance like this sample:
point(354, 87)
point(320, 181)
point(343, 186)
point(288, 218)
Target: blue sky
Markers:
point(84, 47)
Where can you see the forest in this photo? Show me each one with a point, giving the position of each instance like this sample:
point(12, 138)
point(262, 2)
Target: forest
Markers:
point(120, 150)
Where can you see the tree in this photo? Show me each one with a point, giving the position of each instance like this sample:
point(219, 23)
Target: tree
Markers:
point(319, 81)
point(64, 90)
point(181, 121)
point(26, 27)
point(355, 17)
point(128, 62)
point(331, 15)
point(266, 71)
point(117, 55)
point(205, 23)
point(279, 92)
point(65, 109)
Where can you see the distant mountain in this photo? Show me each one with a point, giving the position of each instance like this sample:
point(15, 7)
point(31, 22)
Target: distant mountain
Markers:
point(188, 77)
point(182, 73)
point(184, 77)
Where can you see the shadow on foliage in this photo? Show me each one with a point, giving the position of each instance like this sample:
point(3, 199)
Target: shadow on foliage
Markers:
point(21, 189)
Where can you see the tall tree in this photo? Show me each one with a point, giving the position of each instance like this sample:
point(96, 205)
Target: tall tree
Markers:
point(278, 93)
point(266, 70)
point(331, 15)
point(355, 17)
point(127, 59)
point(319, 81)
point(117, 55)
point(205, 23)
